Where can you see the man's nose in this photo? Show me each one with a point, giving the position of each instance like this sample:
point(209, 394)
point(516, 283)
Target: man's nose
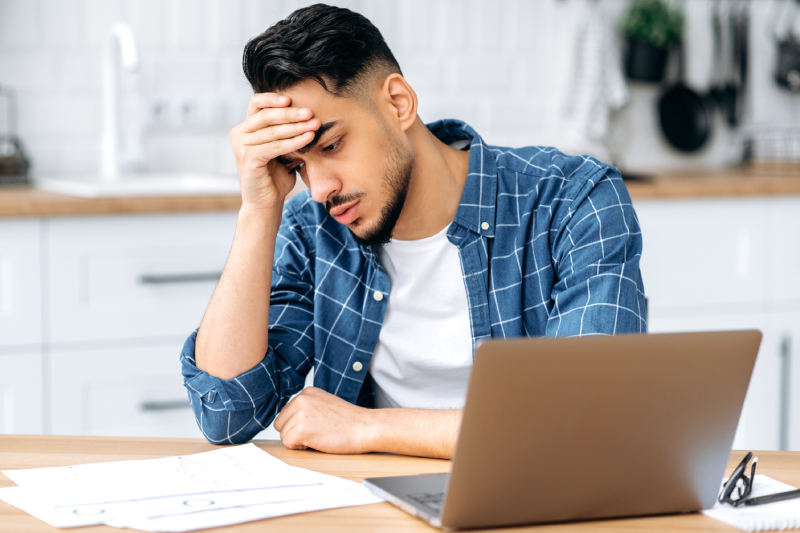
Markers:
point(323, 185)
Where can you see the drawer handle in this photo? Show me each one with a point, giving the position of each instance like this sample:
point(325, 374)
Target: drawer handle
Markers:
point(165, 406)
point(160, 279)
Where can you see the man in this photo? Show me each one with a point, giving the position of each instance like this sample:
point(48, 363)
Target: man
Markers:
point(413, 244)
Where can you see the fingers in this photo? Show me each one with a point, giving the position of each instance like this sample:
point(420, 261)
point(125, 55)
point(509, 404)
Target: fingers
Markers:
point(280, 131)
point(293, 438)
point(271, 116)
point(262, 153)
point(263, 100)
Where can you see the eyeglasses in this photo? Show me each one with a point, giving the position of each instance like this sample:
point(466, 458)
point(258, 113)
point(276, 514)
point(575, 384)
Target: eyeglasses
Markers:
point(739, 486)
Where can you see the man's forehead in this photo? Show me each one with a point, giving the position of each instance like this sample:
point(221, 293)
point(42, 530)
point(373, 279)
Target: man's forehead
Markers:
point(309, 93)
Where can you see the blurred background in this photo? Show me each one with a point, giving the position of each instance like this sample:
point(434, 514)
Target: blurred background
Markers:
point(121, 110)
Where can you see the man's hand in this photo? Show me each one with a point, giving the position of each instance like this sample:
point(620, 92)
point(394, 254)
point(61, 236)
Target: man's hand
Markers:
point(319, 420)
point(271, 129)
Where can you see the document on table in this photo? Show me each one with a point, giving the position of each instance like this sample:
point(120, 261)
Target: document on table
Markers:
point(767, 517)
point(211, 489)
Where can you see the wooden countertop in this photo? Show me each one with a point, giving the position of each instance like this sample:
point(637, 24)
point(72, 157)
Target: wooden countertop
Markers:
point(35, 451)
point(29, 202)
point(726, 183)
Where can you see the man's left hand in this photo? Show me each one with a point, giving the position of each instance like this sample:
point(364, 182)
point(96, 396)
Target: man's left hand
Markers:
point(319, 420)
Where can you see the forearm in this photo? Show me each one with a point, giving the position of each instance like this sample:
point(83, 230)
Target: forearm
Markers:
point(418, 432)
point(233, 334)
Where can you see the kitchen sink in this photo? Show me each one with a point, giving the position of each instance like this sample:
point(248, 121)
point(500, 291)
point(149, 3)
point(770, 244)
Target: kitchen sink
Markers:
point(145, 184)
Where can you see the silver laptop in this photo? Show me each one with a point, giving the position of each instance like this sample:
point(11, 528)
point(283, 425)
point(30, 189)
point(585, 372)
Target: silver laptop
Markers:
point(583, 428)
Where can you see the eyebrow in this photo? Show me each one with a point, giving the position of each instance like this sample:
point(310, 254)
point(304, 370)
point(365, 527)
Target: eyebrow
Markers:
point(317, 136)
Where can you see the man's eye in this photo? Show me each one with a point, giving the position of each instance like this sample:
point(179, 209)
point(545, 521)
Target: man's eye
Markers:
point(332, 146)
point(297, 167)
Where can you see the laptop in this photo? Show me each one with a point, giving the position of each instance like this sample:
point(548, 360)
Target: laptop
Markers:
point(567, 429)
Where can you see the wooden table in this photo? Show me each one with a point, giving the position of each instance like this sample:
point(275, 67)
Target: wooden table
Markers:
point(18, 202)
point(33, 451)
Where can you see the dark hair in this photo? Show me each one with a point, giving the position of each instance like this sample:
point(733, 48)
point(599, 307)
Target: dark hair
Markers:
point(331, 45)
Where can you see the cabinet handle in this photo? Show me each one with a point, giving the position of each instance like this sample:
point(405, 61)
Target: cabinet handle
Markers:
point(165, 405)
point(785, 392)
point(160, 279)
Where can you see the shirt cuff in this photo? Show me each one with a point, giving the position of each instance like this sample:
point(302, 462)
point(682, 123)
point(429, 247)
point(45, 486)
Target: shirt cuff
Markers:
point(246, 391)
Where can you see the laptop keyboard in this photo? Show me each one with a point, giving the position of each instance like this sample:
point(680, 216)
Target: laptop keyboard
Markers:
point(431, 500)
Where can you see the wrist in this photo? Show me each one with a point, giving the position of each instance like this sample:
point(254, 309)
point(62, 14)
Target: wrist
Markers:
point(372, 434)
point(258, 214)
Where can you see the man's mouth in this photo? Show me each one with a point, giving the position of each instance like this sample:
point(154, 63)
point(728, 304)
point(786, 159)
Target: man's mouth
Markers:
point(346, 214)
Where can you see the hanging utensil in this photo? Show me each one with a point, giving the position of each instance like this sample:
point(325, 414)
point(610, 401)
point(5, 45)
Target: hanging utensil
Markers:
point(787, 73)
point(14, 164)
point(685, 115)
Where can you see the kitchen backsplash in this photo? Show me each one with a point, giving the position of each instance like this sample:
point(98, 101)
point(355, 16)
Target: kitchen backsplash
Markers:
point(504, 66)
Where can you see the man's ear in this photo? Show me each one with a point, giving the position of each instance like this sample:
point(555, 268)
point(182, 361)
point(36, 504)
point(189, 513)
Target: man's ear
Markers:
point(401, 100)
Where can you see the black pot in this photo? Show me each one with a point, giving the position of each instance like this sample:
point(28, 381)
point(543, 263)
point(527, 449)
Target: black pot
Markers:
point(645, 62)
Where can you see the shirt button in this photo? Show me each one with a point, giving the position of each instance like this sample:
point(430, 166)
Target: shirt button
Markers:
point(378, 295)
point(357, 366)
point(484, 225)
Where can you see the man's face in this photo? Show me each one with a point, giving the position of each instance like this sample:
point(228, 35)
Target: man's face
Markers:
point(358, 167)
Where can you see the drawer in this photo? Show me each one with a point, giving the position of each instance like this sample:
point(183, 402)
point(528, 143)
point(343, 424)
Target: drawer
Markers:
point(20, 283)
point(134, 277)
point(123, 391)
point(21, 393)
point(708, 254)
point(784, 267)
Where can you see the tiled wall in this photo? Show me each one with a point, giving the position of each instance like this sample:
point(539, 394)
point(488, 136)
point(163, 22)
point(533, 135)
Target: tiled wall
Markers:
point(501, 65)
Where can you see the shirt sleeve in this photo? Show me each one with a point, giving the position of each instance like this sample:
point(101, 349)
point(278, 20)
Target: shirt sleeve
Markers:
point(234, 411)
point(596, 253)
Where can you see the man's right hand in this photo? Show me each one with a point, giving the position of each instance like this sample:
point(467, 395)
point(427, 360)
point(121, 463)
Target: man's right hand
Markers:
point(271, 129)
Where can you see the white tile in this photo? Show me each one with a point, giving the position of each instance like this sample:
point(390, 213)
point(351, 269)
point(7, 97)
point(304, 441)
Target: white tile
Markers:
point(146, 18)
point(414, 25)
point(23, 71)
point(99, 16)
point(225, 25)
point(19, 24)
point(181, 73)
point(78, 72)
point(478, 73)
point(185, 23)
point(422, 72)
point(49, 114)
point(182, 152)
point(62, 24)
point(257, 16)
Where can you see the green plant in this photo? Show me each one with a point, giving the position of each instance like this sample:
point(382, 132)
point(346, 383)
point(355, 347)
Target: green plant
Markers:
point(653, 21)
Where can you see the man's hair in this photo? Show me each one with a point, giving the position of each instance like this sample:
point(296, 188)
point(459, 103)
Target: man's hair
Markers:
point(334, 46)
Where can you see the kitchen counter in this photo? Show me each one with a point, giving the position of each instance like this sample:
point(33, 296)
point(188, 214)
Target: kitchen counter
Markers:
point(725, 183)
point(29, 202)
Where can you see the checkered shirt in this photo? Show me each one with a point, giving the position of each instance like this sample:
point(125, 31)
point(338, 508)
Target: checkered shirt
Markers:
point(549, 246)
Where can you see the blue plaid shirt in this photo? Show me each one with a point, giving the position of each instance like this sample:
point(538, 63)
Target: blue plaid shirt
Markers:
point(549, 246)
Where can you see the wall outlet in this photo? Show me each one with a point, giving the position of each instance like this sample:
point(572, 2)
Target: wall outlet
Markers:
point(192, 112)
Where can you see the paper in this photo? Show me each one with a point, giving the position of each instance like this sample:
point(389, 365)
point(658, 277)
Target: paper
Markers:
point(211, 489)
point(767, 517)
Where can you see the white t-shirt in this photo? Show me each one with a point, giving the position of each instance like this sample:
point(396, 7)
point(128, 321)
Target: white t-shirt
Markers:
point(424, 354)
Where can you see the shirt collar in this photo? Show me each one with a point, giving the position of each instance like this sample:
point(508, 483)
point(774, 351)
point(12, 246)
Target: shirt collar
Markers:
point(476, 211)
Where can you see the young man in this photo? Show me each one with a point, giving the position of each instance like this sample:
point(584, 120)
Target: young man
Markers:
point(413, 244)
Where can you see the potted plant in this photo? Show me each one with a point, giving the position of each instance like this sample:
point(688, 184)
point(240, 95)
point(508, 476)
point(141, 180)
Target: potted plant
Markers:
point(651, 27)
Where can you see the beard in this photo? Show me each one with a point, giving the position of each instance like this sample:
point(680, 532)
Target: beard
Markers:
point(395, 183)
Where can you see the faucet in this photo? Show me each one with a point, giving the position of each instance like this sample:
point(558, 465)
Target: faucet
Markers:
point(110, 157)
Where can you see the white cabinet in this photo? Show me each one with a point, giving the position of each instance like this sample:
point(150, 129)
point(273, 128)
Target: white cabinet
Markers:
point(784, 241)
point(121, 391)
point(731, 264)
point(20, 283)
point(21, 393)
point(704, 254)
point(134, 276)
